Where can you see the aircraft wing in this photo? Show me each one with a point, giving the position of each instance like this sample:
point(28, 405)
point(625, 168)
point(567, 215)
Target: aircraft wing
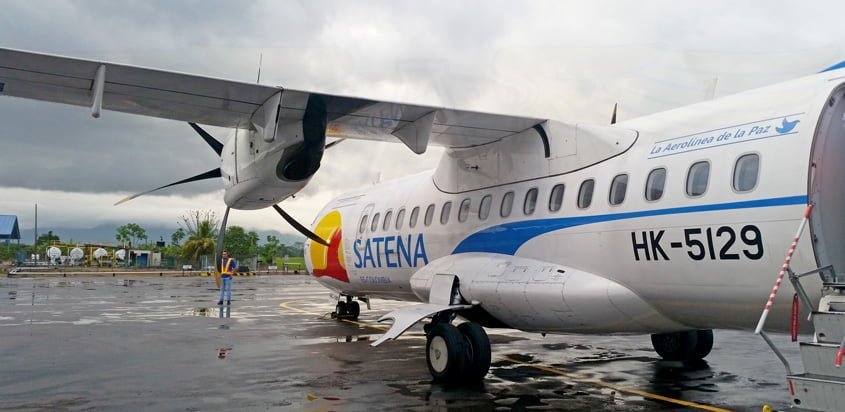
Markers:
point(225, 103)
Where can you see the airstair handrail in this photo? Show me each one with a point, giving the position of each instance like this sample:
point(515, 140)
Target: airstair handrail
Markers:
point(784, 268)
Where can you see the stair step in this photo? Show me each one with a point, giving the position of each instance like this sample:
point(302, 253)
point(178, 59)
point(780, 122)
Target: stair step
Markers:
point(830, 326)
point(818, 359)
point(833, 285)
point(816, 392)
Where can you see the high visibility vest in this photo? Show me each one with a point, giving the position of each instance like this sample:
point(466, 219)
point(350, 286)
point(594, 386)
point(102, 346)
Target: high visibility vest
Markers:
point(225, 267)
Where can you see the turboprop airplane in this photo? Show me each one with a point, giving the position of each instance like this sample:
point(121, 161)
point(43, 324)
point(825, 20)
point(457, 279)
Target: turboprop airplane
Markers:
point(671, 224)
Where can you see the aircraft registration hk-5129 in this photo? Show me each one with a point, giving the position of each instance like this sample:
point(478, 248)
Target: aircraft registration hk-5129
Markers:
point(671, 224)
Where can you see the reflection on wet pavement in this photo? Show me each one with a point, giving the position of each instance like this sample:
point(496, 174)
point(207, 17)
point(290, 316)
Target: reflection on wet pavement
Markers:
point(163, 343)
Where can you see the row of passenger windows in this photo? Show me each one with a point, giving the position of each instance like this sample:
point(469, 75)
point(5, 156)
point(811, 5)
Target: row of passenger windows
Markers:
point(745, 175)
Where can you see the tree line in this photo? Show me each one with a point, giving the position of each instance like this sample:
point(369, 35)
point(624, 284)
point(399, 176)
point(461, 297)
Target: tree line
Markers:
point(195, 237)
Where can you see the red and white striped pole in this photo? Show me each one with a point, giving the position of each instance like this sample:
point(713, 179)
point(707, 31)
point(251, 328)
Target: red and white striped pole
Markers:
point(783, 270)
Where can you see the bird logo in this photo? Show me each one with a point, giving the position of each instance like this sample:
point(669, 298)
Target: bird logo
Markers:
point(786, 126)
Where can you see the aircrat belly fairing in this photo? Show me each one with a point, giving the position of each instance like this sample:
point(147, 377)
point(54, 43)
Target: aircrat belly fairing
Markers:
point(670, 224)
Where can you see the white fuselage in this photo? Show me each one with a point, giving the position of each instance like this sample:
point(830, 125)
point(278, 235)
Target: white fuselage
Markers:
point(701, 261)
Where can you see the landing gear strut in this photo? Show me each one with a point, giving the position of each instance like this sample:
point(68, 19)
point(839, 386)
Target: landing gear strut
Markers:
point(457, 354)
point(683, 346)
point(348, 309)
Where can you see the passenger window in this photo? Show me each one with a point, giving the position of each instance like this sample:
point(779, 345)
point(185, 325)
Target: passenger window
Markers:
point(414, 215)
point(530, 201)
point(463, 211)
point(484, 208)
point(444, 213)
point(429, 215)
point(585, 193)
point(556, 198)
point(400, 217)
point(699, 174)
point(746, 171)
point(507, 204)
point(363, 225)
point(374, 226)
point(387, 217)
point(654, 184)
point(618, 187)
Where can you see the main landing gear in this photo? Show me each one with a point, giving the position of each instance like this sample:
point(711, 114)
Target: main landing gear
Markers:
point(348, 309)
point(456, 354)
point(686, 346)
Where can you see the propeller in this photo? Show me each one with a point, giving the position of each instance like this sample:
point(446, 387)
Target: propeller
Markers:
point(216, 173)
point(298, 226)
point(211, 174)
point(214, 143)
point(219, 251)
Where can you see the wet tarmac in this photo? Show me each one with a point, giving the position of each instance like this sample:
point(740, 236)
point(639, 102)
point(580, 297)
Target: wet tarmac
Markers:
point(164, 344)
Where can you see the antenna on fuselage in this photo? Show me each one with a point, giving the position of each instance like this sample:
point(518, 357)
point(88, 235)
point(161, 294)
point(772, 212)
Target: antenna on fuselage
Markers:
point(613, 116)
point(260, 60)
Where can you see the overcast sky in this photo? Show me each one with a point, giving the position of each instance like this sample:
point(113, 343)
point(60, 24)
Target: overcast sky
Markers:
point(563, 60)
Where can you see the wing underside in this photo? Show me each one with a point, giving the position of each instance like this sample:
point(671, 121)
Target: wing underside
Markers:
point(225, 103)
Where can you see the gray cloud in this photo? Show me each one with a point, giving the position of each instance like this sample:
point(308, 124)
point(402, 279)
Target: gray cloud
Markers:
point(563, 60)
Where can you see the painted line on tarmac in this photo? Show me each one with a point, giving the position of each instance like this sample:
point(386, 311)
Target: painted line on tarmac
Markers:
point(598, 382)
point(581, 379)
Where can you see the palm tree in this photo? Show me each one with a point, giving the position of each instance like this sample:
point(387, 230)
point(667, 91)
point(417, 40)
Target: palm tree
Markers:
point(201, 228)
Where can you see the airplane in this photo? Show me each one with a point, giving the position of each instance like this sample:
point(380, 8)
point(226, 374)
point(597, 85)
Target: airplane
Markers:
point(671, 224)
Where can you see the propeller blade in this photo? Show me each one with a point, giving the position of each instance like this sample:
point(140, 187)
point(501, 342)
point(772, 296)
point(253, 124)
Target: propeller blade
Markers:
point(202, 176)
point(332, 144)
point(214, 143)
point(613, 117)
point(301, 229)
point(218, 255)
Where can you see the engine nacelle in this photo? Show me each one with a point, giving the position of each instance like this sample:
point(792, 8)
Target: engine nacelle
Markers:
point(539, 296)
point(263, 166)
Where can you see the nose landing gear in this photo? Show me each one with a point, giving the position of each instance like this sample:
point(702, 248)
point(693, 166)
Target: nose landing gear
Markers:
point(348, 309)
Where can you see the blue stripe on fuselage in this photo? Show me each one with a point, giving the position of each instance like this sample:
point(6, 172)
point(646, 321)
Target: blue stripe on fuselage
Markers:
point(837, 66)
point(509, 237)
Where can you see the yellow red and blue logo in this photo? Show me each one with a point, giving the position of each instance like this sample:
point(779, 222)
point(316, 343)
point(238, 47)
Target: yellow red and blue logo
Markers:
point(328, 261)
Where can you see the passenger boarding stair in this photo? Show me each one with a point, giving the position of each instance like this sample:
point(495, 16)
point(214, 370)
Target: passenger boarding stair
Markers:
point(822, 385)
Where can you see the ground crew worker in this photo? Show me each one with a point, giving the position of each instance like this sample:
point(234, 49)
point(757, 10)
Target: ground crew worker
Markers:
point(228, 266)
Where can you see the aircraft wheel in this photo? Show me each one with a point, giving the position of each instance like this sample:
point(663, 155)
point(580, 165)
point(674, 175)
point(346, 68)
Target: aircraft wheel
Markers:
point(353, 309)
point(340, 309)
point(478, 351)
point(703, 344)
point(445, 352)
point(675, 346)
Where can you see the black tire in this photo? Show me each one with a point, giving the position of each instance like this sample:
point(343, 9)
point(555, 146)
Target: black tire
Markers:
point(703, 344)
point(675, 346)
point(340, 309)
point(478, 351)
point(353, 310)
point(445, 353)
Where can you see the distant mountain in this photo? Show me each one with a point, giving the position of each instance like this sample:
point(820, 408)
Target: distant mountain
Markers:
point(105, 234)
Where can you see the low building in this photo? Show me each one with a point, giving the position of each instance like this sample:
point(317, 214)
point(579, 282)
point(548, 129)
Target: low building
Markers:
point(9, 229)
